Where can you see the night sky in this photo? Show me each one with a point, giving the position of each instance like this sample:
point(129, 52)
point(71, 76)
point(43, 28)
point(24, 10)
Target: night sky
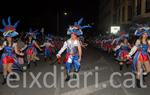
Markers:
point(43, 13)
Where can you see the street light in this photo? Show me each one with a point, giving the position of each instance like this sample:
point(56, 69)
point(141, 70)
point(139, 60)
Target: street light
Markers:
point(60, 14)
point(65, 13)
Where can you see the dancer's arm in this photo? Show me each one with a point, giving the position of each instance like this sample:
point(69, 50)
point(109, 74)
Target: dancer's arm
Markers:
point(118, 47)
point(62, 49)
point(42, 45)
point(3, 45)
point(51, 45)
point(24, 48)
point(149, 46)
point(37, 45)
point(16, 49)
point(129, 46)
point(134, 48)
point(84, 45)
point(80, 52)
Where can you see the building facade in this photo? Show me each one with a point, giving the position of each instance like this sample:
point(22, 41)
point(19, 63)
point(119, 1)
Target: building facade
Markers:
point(123, 13)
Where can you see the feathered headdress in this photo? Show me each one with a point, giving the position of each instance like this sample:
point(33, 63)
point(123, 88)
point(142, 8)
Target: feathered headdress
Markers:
point(77, 28)
point(48, 37)
point(142, 29)
point(32, 33)
point(9, 30)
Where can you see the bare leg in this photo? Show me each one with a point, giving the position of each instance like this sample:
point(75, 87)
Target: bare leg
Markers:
point(139, 73)
point(147, 66)
point(5, 66)
point(9, 69)
point(29, 60)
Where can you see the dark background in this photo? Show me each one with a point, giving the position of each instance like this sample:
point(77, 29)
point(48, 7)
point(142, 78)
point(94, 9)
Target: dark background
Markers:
point(50, 13)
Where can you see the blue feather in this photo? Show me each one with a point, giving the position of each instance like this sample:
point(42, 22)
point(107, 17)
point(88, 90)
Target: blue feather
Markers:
point(4, 23)
point(83, 27)
point(80, 21)
point(138, 33)
point(75, 23)
point(9, 20)
point(16, 24)
point(1, 30)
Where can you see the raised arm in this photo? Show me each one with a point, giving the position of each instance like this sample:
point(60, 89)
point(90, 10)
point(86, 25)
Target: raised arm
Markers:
point(118, 47)
point(51, 45)
point(37, 45)
point(22, 49)
point(134, 48)
point(42, 45)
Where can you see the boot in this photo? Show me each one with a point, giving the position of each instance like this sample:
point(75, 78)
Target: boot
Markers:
point(68, 78)
point(121, 67)
point(74, 76)
point(138, 83)
point(28, 66)
point(4, 80)
point(127, 65)
point(145, 75)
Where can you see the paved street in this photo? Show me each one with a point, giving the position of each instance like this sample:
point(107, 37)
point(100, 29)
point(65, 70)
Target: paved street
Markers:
point(98, 64)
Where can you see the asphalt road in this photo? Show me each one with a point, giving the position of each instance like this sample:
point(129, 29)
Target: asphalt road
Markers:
point(96, 67)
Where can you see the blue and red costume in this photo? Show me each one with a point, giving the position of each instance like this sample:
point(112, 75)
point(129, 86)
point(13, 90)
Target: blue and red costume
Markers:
point(123, 52)
point(8, 55)
point(141, 55)
point(31, 49)
point(72, 55)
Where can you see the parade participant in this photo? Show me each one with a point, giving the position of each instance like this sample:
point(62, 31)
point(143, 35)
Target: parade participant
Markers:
point(48, 48)
point(123, 50)
point(141, 49)
point(83, 44)
point(109, 44)
point(74, 50)
point(30, 48)
point(10, 48)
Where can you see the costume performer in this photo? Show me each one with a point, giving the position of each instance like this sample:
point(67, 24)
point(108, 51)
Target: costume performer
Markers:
point(48, 48)
point(83, 44)
point(74, 50)
point(141, 50)
point(10, 48)
point(30, 48)
point(123, 50)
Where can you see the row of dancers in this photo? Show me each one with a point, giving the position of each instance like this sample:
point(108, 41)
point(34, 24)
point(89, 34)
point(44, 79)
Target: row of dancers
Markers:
point(136, 55)
point(14, 53)
point(18, 51)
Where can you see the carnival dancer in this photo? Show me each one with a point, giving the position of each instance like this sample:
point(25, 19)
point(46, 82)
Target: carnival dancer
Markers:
point(30, 47)
point(48, 48)
point(141, 50)
point(109, 44)
point(10, 48)
point(83, 44)
point(74, 50)
point(123, 50)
